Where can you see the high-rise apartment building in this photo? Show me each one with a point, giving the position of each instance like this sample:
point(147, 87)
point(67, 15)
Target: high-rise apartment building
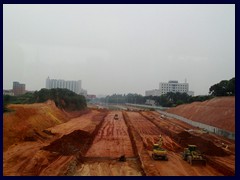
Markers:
point(18, 89)
point(74, 86)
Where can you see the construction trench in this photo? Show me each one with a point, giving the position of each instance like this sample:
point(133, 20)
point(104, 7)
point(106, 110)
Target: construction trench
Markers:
point(91, 145)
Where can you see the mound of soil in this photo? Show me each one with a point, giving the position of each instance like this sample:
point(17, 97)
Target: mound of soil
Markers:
point(206, 147)
point(18, 125)
point(70, 144)
point(218, 112)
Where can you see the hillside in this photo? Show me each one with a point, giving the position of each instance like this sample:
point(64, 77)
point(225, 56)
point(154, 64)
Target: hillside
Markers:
point(218, 112)
point(63, 98)
point(28, 120)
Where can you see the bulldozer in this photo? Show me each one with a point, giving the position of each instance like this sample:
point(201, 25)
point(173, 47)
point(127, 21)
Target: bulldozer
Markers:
point(158, 152)
point(193, 156)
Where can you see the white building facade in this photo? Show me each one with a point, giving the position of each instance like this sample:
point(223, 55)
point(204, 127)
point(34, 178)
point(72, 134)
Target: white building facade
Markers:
point(173, 86)
point(75, 86)
point(170, 86)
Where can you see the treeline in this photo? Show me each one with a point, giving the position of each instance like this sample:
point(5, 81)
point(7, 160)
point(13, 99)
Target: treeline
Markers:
point(63, 98)
point(167, 100)
point(223, 88)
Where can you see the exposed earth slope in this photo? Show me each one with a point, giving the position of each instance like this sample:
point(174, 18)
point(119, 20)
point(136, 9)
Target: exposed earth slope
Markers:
point(218, 112)
point(27, 121)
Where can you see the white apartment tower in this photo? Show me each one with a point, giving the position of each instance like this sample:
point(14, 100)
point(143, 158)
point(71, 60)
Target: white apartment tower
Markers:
point(74, 86)
point(173, 86)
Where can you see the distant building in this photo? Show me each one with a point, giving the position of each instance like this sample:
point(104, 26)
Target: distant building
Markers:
point(8, 92)
point(154, 92)
point(74, 86)
point(173, 86)
point(18, 89)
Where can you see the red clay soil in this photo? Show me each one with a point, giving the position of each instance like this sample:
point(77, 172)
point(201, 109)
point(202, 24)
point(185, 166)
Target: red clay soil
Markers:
point(109, 168)
point(74, 114)
point(29, 158)
point(112, 139)
point(27, 119)
point(69, 144)
point(218, 112)
point(88, 144)
point(207, 147)
point(210, 144)
point(175, 166)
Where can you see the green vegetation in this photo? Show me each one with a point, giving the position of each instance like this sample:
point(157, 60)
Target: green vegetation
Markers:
point(63, 98)
point(167, 100)
point(223, 88)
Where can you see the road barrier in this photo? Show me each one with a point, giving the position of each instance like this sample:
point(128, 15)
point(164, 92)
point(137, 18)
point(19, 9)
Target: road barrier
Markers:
point(147, 106)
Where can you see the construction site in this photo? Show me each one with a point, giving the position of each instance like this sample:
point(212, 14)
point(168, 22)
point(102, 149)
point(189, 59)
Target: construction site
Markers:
point(42, 140)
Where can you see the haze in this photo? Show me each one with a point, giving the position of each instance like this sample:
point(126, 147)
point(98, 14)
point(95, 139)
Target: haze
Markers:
point(119, 48)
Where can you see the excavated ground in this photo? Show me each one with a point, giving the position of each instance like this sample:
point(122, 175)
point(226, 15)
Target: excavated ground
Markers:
point(112, 139)
point(209, 144)
point(52, 156)
point(218, 112)
point(91, 144)
point(111, 142)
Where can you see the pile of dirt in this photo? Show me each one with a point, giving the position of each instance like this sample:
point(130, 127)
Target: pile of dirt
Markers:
point(206, 147)
point(29, 118)
point(218, 112)
point(70, 144)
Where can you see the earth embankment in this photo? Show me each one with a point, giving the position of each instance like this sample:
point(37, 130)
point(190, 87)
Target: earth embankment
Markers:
point(218, 112)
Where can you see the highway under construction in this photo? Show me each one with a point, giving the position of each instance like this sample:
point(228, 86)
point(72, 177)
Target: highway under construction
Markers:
point(94, 142)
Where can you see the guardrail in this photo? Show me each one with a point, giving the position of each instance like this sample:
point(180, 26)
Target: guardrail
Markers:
point(147, 106)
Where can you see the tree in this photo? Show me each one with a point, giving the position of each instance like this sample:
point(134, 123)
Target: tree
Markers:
point(231, 87)
point(223, 88)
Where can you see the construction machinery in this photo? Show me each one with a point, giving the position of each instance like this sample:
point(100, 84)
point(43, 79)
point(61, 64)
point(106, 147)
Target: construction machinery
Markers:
point(116, 116)
point(193, 156)
point(158, 152)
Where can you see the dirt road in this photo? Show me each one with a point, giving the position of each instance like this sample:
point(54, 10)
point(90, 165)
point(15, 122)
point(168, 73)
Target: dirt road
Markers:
point(112, 139)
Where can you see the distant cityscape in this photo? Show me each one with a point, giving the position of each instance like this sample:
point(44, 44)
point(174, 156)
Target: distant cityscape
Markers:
point(76, 86)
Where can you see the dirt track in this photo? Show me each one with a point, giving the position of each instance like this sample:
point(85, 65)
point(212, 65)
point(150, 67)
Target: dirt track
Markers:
point(112, 139)
point(92, 143)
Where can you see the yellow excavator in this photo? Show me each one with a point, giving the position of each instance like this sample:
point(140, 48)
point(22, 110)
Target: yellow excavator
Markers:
point(158, 152)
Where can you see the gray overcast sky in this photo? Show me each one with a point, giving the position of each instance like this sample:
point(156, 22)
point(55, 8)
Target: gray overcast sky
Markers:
point(119, 48)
